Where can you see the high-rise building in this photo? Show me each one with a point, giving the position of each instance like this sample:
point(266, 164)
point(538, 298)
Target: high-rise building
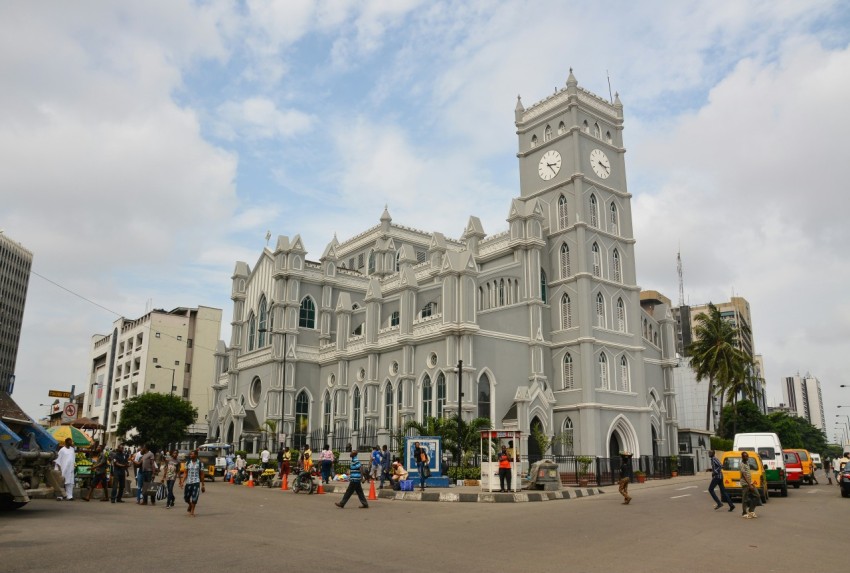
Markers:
point(803, 398)
point(737, 312)
point(15, 265)
point(166, 352)
point(545, 316)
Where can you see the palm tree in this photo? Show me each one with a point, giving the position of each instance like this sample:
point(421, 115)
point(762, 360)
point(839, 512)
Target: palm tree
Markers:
point(447, 429)
point(714, 353)
point(745, 381)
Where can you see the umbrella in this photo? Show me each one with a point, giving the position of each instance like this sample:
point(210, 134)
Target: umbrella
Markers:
point(62, 432)
point(87, 424)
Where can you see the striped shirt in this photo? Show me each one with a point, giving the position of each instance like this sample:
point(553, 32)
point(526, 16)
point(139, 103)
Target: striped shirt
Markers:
point(355, 470)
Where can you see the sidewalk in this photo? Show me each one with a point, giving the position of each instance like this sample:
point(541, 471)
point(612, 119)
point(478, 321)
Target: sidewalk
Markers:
point(471, 494)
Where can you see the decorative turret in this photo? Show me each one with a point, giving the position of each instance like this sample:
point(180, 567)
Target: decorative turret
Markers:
point(385, 221)
point(437, 249)
point(473, 233)
point(519, 109)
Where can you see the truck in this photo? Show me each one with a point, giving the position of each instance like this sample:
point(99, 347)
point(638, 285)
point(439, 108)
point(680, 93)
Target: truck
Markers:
point(27, 452)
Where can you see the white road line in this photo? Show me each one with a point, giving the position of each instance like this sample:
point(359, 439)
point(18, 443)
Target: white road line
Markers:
point(812, 491)
point(686, 487)
point(678, 496)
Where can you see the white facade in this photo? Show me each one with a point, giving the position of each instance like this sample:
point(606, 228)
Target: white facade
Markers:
point(145, 355)
point(544, 315)
point(803, 397)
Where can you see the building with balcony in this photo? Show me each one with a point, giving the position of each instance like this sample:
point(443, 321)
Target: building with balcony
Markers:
point(146, 355)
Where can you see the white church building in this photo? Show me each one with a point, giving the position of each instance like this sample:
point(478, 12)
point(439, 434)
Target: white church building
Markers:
point(545, 315)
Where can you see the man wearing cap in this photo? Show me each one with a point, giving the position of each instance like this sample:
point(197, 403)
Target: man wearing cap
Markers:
point(354, 484)
point(625, 476)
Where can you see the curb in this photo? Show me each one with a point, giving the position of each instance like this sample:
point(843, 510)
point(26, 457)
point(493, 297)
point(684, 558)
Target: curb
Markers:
point(484, 497)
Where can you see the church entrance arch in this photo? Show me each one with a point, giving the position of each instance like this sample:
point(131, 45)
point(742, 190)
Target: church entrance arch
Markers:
point(534, 453)
point(622, 438)
point(654, 442)
point(230, 433)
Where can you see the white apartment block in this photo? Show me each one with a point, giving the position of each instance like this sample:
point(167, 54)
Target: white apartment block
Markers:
point(804, 399)
point(167, 352)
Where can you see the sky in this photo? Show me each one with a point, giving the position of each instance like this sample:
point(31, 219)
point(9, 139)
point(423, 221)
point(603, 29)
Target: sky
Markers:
point(145, 147)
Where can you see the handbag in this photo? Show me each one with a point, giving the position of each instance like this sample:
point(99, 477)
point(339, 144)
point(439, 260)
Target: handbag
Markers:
point(161, 492)
point(426, 472)
point(151, 488)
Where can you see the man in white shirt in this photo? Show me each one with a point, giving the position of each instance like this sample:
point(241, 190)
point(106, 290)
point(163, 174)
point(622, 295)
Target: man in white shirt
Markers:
point(66, 461)
point(265, 456)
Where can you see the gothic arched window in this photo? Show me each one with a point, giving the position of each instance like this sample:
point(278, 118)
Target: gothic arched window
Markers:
point(562, 129)
point(302, 419)
point(544, 295)
point(252, 331)
point(596, 131)
point(326, 417)
point(568, 383)
point(427, 394)
point(262, 312)
point(621, 315)
point(625, 384)
point(371, 267)
point(355, 410)
point(307, 314)
point(566, 312)
point(600, 310)
point(533, 141)
point(547, 133)
point(614, 218)
point(594, 211)
point(565, 261)
point(441, 394)
point(597, 260)
point(603, 370)
point(388, 407)
point(615, 263)
point(484, 397)
point(563, 215)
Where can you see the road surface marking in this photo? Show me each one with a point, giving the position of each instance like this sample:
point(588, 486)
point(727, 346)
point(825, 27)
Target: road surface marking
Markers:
point(678, 496)
point(686, 487)
point(812, 491)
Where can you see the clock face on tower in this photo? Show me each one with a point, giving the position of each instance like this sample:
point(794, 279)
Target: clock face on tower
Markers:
point(600, 164)
point(549, 165)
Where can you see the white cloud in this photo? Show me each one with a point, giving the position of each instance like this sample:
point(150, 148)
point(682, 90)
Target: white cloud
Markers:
point(259, 118)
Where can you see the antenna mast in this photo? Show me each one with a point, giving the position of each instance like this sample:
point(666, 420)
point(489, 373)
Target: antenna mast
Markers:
point(681, 280)
point(610, 96)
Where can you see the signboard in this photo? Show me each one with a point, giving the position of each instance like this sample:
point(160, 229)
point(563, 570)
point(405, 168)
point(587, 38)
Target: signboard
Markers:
point(281, 438)
point(59, 394)
point(433, 445)
point(69, 412)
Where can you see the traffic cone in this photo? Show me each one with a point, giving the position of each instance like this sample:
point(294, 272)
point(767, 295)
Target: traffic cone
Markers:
point(372, 494)
point(232, 477)
point(284, 483)
point(251, 481)
point(321, 489)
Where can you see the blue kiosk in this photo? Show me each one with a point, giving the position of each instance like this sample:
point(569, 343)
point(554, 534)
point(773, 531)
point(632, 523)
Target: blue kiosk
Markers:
point(434, 446)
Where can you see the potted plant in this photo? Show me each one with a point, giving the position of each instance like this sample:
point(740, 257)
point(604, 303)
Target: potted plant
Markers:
point(640, 477)
point(674, 466)
point(583, 469)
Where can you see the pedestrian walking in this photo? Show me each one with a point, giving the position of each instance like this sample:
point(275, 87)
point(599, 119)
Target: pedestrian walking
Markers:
point(286, 459)
point(504, 470)
point(717, 480)
point(98, 471)
point(327, 459)
point(148, 466)
point(265, 456)
point(120, 463)
point(748, 490)
point(66, 463)
point(420, 456)
point(827, 470)
point(376, 468)
point(170, 469)
point(192, 482)
point(386, 464)
point(625, 476)
point(355, 484)
point(137, 466)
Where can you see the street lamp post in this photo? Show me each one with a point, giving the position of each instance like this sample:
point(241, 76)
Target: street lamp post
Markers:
point(172, 376)
point(459, 410)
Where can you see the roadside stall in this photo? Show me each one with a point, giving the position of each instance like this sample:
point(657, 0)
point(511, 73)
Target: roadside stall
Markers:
point(491, 444)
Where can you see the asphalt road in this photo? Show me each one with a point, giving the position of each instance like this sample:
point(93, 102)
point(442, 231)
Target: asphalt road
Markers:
point(670, 526)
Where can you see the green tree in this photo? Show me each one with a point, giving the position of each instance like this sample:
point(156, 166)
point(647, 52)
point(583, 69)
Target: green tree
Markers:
point(743, 381)
point(156, 419)
point(714, 353)
point(744, 417)
point(797, 432)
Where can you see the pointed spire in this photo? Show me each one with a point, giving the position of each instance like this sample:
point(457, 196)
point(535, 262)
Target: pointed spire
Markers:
point(571, 80)
point(518, 110)
point(519, 106)
point(385, 216)
point(617, 101)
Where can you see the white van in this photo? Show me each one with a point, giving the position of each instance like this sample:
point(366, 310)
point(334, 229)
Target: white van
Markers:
point(769, 449)
point(817, 461)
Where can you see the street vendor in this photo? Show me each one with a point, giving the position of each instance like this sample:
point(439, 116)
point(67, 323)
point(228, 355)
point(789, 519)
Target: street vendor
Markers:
point(399, 474)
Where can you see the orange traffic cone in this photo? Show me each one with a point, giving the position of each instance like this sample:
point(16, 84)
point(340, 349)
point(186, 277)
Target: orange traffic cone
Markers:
point(232, 477)
point(251, 481)
point(284, 484)
point(321, 489)
point(372, 494)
